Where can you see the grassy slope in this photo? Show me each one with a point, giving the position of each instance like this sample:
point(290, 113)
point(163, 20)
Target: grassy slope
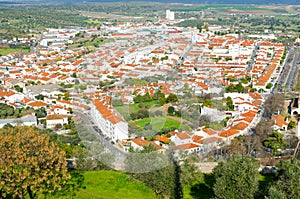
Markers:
point(112, 185)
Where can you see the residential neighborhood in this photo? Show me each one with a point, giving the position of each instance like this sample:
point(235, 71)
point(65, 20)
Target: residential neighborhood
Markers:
point(169, 99)
point(182, 60)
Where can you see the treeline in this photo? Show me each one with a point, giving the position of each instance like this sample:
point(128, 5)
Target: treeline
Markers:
point(235, 178)
point(7, 111)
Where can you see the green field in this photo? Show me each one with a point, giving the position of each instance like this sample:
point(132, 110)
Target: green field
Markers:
point(6, 51)
point(111, 185)
point(126, 109)
point(159, 123)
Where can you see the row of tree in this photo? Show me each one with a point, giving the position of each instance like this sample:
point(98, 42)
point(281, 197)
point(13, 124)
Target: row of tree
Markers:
point(7, 111)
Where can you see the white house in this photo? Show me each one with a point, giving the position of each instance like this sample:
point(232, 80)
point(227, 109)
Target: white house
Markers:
point(53, 120)
point(109, 121)
point(180, 138)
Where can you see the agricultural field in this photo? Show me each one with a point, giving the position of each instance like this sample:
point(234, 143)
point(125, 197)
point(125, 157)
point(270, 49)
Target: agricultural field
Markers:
point(6, 51)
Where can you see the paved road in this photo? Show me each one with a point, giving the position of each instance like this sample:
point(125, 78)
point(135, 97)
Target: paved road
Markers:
point(292, 72)
point(288, 74)
point(119, 154)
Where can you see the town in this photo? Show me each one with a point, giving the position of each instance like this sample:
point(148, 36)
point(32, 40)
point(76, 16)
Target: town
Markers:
point(139, 84)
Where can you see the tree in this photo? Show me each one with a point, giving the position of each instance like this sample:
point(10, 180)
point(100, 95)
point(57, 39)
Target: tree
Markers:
point(287, 184)
point(236, 147)
point(40, 97)
point(273, 104)
point(275, 142)
point(239, 88)
point(18, 88)
point(171, 110)
point(30, 163)
point(40, 112)
point(66, 96)
point(230, 89)
point(269, 85)
point(172, 98)
point(207, 102)
point(162, 101)
point(236, 178)
point(160, 172)
point(292, 125)
point(229, 104)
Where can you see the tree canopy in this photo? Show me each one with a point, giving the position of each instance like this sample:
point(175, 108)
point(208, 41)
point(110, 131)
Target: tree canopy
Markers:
point(30, 163)
point(287, 185)
point(236, 178)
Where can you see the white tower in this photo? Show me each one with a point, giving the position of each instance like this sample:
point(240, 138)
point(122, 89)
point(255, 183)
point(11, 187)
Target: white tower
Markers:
point(167, 14)
point(170, 15)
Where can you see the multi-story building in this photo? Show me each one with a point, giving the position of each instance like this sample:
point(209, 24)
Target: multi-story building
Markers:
point(109, 121)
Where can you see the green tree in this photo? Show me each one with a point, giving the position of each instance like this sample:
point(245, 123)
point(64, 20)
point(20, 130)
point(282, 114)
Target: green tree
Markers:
point(40, 97)
point(207, 102)
point(236, 178)
point(269, 85)
point(162, 101)
point(292, 125)
point(30, 163)
point(66, 96)
point(41, 112)
point(18, 88)
point(287, 183)
point(230, 89)
point(239, 88)
point(171, 110)
point(172, 98)
point(157, 171)
point(229, 104)
point(275, 142)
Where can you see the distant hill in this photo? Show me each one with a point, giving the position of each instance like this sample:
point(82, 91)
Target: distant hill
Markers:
point(286, 2)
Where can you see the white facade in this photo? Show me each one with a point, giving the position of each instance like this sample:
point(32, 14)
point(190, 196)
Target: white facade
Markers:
point(110, 125)
point(53, 121)
point(170, 15)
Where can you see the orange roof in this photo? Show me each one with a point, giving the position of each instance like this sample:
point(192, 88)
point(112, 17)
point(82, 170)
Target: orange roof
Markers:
point(140, 142)
point(106, 113)
point(6, 93)
point(211, 140)
point(228, 133)
point(187, 146)
point(163, 139)
point(56, 117)
point(279, 121)
point(25, 100)
point(209, 131)
point(37, 104)
point(240, 126)
point(181, 136)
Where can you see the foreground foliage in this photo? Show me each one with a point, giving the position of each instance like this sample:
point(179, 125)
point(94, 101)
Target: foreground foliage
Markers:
point(30, 163)
point(236, 178)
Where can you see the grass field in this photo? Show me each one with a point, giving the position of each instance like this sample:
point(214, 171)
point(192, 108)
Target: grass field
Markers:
point(6, 51)
point(126, 109)
point(111, 185)
point(159, 123)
